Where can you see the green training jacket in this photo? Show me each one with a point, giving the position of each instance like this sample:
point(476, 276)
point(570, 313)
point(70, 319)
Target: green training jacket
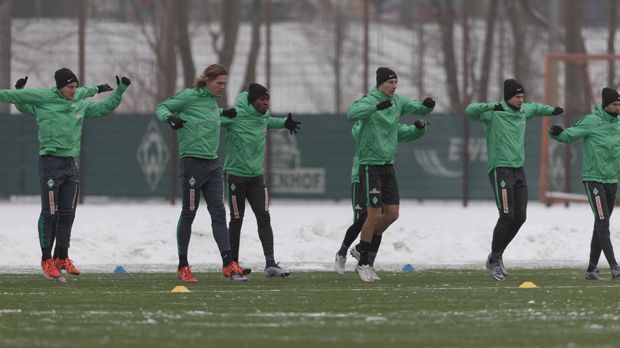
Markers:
point(246, 137)
point(378, 134)
point(200, 135)
point(60, 120)
point(601, 145)
point(505, 130)
point(406, 132)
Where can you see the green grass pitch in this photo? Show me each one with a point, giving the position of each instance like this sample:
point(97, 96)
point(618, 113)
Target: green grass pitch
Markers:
point(427, 308)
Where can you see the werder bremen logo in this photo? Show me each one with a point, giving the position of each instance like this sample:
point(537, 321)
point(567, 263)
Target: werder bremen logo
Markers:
point(192, 181)
point(153, 154)
point(232, 187)
point(595, 191)
point(502, 184)
point(50, 183)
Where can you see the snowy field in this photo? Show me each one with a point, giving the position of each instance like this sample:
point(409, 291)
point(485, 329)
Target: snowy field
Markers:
point(141, 236)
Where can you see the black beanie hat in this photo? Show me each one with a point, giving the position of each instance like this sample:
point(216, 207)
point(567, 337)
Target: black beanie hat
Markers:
point(512, 88)
point(64, 77)
point(255, 91)
point(609, 95)
point(384, 74)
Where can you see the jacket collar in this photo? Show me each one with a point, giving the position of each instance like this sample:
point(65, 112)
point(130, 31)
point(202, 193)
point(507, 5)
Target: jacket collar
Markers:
point(600, 112)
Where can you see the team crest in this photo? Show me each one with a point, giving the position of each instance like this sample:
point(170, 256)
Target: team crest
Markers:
point(232, 187)
point(50, 183)
point(595, 191)
point(502, 184)
point(192, 181)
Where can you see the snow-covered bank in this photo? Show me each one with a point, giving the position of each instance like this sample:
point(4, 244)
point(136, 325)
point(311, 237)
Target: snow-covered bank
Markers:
point(307, 235)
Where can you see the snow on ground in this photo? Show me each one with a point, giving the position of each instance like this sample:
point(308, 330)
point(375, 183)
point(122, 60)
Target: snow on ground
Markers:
point(307, 235)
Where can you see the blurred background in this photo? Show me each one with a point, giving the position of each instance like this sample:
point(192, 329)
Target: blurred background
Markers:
point(316, 57)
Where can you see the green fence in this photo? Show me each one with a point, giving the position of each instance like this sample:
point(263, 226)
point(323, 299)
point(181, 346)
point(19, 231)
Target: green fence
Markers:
point(130, 156)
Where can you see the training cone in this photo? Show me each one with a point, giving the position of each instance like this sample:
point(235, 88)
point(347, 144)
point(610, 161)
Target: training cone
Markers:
point(408, 268)
point(180, 288)
point(119, 269)
point(527, 285)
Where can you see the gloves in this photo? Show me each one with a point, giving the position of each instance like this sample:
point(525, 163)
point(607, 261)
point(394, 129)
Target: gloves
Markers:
point(291, 125)
point(420, 124)
point(230, 113)
point(429, 103)
point(175, 122)
point(555, 130)
point(124, 80)
point(21, 83)
point(498, 107)
point(557, 110)
point(384, 105)
point(104, 88)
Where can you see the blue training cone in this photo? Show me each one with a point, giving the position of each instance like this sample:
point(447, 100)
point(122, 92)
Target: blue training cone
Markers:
point(408, 268)
point(119, 269)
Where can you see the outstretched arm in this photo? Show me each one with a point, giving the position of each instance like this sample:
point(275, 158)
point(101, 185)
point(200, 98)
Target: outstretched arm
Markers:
point(482, 111)
point(535, 109)
point(409, 132)
point(579, 130)
point(172, 105)
point(361, 109)
point(107, 105)
point(412, 106)
point(32, 96)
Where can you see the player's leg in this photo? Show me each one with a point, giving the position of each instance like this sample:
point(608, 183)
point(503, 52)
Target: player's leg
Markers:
point(237, 190)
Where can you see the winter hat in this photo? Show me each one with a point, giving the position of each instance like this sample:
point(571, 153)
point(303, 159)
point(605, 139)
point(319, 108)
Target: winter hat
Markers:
point(512, 88)
point(609, 95)
point(255, 91)
point(64, 77)
point(384, 74)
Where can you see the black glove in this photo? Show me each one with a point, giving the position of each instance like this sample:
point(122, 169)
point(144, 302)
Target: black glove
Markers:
point(555, 130)
point(429, 103)
point(21, 83)
point(557, 110)
point(419, 124)
point(498, 107)
point(230, 113)
point(124, 80)
point(291, 125)
point(104, 88)
point(175, 122)
point(384, 105)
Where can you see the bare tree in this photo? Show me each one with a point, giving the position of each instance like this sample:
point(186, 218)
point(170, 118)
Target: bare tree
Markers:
point(447, 17)
point(611, 38)
point(162, 41)
point(185, 48)
point(487, 50)
point(5, 48)
point(229, 28)
point(250, 68)
point(576, 101)
point(520, 59)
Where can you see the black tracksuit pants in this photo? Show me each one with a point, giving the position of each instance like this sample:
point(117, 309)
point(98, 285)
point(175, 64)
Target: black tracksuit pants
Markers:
point(58, 179)
point(204, 176)
point(602, 198)
point(510, 189)
point(255, 191)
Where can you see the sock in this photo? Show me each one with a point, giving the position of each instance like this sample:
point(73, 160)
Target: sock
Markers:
point(590, 268)
point(183, 261)
point(343, 250)
point(226, 257)
point(363, 248)
point(62, 252)
point(46, 253)
point(371, 258)
point(270, 261)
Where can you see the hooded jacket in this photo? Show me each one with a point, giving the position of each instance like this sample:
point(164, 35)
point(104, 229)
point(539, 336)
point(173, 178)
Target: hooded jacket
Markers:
point(246, 138)
point(59, 119)
point(378, 133)
point(505, 130)
point(601, 145)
